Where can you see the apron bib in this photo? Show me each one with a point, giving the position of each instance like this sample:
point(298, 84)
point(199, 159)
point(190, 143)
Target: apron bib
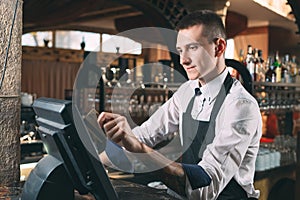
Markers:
point(198, 134)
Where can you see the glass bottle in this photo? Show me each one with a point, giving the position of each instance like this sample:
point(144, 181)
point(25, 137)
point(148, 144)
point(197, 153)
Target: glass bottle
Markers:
point(286, 69)
point(295, 70)
point(248, 55)
point(270, 75)
point(241, 56)
point(260, 68)
point(250, 62)
point(277, 66)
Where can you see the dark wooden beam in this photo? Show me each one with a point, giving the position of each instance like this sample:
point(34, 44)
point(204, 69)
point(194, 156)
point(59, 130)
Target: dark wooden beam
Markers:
point(108, 13)
point(50, 12)
point(127, 23)
point(75, 27)
point(295, 5)
point(235, 23)
point(255, 30)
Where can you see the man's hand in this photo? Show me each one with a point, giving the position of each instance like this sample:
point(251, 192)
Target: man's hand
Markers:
point(118, 130)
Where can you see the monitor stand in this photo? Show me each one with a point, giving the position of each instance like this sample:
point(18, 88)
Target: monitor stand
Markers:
point(47, 181)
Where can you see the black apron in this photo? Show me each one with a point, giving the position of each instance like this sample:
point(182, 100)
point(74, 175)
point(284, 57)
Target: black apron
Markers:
point(198, 134)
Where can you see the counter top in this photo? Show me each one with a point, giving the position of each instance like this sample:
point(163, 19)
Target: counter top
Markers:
point(132, 191)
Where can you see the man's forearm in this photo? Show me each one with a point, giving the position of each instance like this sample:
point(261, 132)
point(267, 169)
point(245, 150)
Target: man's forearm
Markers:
point(172, 174)
point(174, 178)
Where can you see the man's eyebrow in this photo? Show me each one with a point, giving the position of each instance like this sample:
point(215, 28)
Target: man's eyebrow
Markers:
point(189, 44)
point(192, 43)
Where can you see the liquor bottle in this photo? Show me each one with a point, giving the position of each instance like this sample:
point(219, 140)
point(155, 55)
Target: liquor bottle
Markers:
point(296, 66)
point(250, 62)
point(286, 69)
point(241, 56)
point(259, 66)
point(256, 61)
point(277, 66)
point(294, 69)
point(248, 55)
point(270, 74)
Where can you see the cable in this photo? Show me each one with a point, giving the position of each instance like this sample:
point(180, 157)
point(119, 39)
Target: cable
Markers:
point(8, 46)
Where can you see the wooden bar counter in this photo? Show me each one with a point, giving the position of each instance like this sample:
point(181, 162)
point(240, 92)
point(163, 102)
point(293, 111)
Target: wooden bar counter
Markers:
point(132, 191)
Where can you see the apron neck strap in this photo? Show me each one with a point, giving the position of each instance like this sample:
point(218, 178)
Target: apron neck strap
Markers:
point(221, 97)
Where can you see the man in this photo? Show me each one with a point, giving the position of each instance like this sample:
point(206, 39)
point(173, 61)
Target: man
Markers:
point(219, 122)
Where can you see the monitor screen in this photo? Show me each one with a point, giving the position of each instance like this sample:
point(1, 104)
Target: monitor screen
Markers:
point(55, 119)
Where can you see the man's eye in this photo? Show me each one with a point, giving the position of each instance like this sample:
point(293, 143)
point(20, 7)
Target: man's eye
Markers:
point(193, 47)
point(179, 51)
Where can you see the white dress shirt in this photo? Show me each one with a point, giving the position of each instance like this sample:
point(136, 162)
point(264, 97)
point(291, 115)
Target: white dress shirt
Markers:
point(238, 131)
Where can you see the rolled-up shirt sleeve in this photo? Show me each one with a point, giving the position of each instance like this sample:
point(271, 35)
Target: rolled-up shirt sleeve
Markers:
point(159, 125)
point(197, 176)
point(166, 119)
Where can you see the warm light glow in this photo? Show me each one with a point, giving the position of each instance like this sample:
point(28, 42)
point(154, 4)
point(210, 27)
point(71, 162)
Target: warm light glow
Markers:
point(278, 6)
point(229, 53)
point(73, 39)
point(37, 38)
point(120, 44)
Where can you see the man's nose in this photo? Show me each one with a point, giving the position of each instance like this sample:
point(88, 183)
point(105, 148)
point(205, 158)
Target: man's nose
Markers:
point(185, 59)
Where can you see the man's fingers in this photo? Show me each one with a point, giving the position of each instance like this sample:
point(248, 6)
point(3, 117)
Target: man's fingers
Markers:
point(104, 117)
point(117, 121)
point(114, 126)
point(109, 125)
point(101, 119)
point(116, 136)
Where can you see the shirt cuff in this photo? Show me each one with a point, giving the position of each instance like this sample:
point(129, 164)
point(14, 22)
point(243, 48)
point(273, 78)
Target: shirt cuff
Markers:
point(197, 176)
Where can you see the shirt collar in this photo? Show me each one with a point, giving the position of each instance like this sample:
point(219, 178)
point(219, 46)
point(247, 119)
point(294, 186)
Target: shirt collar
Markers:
point(211, 89)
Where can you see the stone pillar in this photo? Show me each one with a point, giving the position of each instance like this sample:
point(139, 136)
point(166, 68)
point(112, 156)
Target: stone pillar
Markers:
point(10, 93)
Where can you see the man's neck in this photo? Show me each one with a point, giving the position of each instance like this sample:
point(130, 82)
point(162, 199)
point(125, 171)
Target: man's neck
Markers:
point(211, 75)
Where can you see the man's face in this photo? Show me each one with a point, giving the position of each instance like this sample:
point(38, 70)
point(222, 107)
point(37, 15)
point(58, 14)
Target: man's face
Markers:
point(197, 54)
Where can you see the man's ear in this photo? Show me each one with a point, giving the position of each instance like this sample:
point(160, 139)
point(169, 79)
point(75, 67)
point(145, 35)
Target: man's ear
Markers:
point(220, 47)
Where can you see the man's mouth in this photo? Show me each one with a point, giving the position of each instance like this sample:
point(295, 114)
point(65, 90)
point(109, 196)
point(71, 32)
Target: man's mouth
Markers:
point(190, 68)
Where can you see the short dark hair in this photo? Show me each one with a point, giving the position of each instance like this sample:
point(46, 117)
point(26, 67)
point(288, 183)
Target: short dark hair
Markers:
point(213, 24)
